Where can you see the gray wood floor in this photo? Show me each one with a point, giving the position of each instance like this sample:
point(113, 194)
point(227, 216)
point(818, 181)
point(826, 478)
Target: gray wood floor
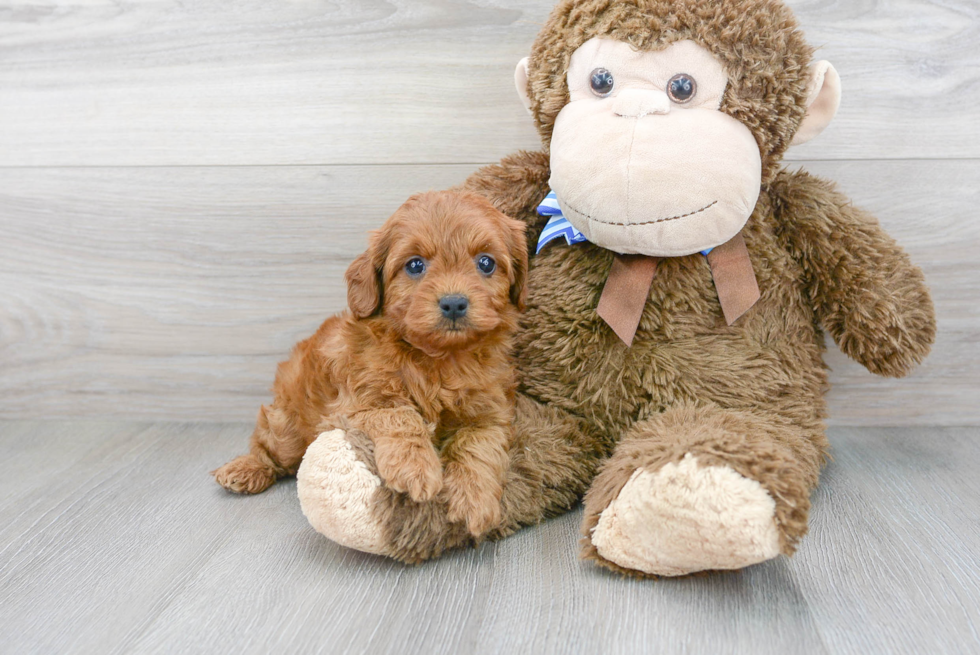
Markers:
point(113, 538)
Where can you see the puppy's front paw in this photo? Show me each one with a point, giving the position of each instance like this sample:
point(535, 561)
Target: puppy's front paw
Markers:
point(411, 468)
point(473, 500)
point(481, 515)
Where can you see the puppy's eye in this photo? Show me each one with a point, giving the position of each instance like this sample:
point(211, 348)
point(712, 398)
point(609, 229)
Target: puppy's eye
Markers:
point(486, 264)
point(601, 82)
point(682, 88)
point(415, 267)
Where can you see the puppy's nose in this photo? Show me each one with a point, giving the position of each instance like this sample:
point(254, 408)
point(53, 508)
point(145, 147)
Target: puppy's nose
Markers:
point(454, 306)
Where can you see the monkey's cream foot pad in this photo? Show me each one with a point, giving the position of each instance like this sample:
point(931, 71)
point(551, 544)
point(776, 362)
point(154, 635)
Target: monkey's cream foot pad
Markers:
point(338, 492)
point(685, 518)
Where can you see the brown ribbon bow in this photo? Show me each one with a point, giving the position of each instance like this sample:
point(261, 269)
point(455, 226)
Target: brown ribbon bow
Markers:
point(628, 286)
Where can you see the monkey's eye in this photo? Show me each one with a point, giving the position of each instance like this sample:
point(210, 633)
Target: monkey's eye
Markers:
point(601, 82)
point(681, 88)
point(415, 267)
point(486, 264)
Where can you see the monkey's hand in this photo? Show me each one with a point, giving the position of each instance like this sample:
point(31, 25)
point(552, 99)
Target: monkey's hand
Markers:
point(866, 292)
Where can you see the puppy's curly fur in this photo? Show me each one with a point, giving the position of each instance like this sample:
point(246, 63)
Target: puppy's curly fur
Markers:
point(402, 369)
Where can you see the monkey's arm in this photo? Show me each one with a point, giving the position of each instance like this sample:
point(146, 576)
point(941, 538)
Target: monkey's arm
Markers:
point(866, 292)
point(515, 186)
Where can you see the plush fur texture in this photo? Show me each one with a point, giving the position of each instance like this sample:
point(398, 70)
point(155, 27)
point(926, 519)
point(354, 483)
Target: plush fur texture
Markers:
point(747, 399)
point(398, 369)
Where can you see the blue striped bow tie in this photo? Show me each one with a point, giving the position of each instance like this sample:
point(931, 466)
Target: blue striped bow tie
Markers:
point(558, 226)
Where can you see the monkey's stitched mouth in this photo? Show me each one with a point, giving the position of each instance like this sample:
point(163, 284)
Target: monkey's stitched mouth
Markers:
point(659, 220)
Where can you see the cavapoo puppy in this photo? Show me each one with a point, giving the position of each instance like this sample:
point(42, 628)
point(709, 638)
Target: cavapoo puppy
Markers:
point(420, 362)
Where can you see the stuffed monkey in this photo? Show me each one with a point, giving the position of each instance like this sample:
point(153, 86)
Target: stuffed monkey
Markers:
point(670, 355)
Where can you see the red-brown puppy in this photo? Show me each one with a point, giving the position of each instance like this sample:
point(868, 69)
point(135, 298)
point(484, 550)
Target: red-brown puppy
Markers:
point(420, 362)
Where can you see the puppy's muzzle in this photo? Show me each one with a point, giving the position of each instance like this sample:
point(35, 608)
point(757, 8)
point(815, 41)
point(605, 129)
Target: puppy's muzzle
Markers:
point(454, 306)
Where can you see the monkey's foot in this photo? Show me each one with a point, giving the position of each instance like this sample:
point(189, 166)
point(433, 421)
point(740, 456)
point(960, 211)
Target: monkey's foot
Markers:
point(701, 488)
point(685, 518)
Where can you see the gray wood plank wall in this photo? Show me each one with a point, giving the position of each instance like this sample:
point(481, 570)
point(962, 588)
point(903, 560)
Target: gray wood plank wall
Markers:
point(183, 184)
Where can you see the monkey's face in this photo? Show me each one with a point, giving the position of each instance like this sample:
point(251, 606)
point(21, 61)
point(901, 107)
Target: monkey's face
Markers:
point(643, 160)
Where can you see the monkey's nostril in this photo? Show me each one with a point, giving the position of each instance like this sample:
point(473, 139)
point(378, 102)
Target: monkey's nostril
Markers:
point(454, 307)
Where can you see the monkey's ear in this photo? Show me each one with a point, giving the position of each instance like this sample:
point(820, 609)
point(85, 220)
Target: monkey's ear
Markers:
point(822, 101)
point(363, 286)
point(520, 81)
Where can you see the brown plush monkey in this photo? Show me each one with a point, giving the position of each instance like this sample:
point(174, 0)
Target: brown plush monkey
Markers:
point(697, 445)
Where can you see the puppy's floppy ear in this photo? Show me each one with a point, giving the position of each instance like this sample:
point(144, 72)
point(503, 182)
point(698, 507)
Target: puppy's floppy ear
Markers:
point(364, 289)
point(517, 243)
point(365, 292)
point(363, 286)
